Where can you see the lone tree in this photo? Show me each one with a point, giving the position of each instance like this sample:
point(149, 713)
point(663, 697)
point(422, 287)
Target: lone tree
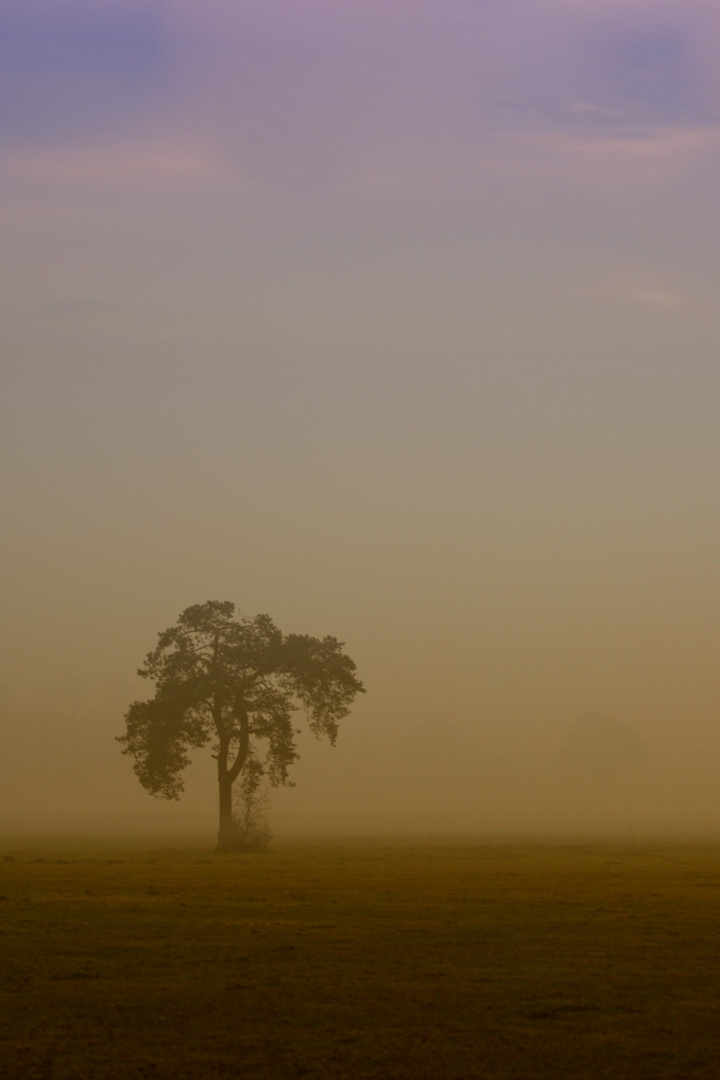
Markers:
point(233, 682)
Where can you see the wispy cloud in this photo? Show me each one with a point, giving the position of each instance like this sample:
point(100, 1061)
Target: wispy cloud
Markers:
point(636, 156)
point(306, 94)
point(136, 165)
point(645, 288)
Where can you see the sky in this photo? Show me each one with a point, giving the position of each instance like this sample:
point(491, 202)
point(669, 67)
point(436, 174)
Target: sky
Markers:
point(399, 322)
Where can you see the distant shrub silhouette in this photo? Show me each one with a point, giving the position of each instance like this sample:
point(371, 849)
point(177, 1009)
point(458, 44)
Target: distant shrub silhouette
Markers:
point(601, 751)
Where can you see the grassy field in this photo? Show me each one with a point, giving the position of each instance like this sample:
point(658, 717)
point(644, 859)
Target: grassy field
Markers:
point(377, 959)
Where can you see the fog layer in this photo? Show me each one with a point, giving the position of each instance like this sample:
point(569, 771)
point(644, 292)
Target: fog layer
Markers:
point(397, 322)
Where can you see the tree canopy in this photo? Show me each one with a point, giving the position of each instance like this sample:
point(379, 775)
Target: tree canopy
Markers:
point(234, 683)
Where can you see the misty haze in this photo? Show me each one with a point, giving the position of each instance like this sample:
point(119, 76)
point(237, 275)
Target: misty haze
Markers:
point(360, 614)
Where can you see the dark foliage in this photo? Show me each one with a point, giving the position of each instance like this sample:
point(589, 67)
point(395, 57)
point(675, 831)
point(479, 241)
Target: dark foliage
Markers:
point(235, 683)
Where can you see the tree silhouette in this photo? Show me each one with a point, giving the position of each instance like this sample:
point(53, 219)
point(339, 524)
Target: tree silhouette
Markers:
point(233, 682)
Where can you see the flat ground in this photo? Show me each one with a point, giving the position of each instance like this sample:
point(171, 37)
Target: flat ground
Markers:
point(359, 960)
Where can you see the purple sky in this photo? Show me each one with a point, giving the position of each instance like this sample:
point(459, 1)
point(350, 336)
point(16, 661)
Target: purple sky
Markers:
point(396, 320)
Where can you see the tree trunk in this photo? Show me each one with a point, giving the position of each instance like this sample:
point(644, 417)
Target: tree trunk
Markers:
point(225, 831)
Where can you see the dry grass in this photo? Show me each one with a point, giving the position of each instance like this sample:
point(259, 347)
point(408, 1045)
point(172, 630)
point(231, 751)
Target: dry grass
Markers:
point(357, 960)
